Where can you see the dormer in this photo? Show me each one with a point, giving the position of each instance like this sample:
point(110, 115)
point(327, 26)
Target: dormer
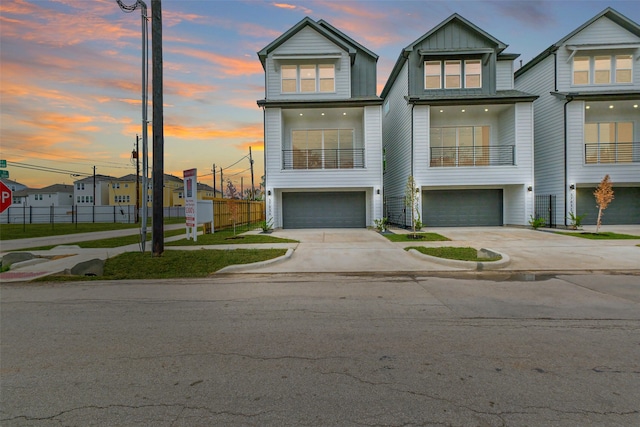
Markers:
point(313, 61)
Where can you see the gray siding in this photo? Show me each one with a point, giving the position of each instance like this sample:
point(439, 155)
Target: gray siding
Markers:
point(504, 75)
point(364, 80)
point(396, 131)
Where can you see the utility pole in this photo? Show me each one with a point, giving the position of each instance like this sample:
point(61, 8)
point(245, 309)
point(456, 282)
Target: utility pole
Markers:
point(157, 236)
point(221, 184)
point(137, 178)
point(242, 187)
point(253, 190)
point(214, 179)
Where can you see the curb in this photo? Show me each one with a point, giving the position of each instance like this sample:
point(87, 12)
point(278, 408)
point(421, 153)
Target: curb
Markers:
point(242, 267)
point(467, 265)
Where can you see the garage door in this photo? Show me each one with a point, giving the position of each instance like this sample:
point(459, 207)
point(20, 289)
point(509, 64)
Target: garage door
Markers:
point(624, 209)
point(462, 208)
point(324, 210)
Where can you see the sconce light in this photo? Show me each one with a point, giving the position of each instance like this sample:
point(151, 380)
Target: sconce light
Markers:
point(417, 190)
point(268, 192)
point(572, 187)
point(378, 191)
point(529, 188)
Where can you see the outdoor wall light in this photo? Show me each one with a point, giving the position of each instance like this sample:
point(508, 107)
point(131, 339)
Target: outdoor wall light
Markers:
point(378, 191)
point(268, 192)
point(572, 187)
point(529, 188)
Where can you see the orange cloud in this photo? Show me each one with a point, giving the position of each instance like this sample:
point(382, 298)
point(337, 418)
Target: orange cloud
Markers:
point(229, 66)
point(292, 7)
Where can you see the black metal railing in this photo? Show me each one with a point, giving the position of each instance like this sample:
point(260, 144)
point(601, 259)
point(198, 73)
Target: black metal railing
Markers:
point(490, 155)
point(351, 158)
point(615, 152)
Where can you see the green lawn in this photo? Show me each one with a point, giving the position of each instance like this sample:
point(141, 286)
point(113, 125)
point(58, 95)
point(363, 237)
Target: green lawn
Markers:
point(450, 252)
point(600, 236)
point(421, 237)
point(173, 264)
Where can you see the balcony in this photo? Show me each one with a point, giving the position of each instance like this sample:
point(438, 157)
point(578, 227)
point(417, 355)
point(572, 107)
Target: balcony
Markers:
point(499, 155)
point(607, 153)
point(352, 158)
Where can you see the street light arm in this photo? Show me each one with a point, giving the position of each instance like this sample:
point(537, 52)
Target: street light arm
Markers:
point(129, 9)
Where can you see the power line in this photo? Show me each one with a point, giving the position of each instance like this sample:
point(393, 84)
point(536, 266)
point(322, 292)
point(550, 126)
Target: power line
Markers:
point(102, 163)
point(46, 169)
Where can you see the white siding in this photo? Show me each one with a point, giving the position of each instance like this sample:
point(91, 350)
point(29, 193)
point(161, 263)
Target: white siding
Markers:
point(504, 75)
point(308, 42)
point(396, 129)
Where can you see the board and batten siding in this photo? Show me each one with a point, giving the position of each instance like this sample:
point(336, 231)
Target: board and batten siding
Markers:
point(548, 131)
point(308, 42)
point(602, 31)
point(504, 75)
point(396, 136)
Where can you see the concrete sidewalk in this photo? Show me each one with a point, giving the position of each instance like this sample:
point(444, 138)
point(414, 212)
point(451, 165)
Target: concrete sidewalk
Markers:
point(366, 251)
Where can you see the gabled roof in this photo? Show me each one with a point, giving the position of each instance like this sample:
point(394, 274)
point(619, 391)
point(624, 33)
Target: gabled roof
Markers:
point(346, 38)
point(55, 188)
point(404, 54)
point(609, 12)
point(98, 178)
point(9, 182)
point(326, 30)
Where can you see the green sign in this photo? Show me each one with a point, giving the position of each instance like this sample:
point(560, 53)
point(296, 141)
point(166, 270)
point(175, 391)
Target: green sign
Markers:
point(4, 174)
point(3, 163)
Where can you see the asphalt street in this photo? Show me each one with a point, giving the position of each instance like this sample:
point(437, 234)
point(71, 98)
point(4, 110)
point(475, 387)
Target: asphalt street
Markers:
point(468, 349)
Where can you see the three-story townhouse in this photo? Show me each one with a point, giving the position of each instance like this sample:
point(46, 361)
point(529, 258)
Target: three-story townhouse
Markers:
point(586, 119)
point(322, 130)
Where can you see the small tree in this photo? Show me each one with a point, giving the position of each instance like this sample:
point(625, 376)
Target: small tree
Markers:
point(411, 199)
point(604, 196)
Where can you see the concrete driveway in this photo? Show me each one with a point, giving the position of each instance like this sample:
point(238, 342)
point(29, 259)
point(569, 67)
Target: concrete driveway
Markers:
point(361, 250)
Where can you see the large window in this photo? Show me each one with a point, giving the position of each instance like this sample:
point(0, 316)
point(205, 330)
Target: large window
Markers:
point(323, 149)
point(602, 69)
point(308, 78)
point(453, 74)
point(460, 146)
point(608, 142)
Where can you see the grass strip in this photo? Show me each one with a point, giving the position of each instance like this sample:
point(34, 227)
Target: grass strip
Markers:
point(605, 235)
point(226, 237)
point(173, 264)
point(422, 237)
point(451, 252)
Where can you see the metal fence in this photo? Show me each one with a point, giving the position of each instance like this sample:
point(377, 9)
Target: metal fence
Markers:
point(546, 208)
point(395, 210)
point(226, 213)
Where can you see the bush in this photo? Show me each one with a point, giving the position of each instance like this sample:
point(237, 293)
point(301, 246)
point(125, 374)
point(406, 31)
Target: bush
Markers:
point(537, 222)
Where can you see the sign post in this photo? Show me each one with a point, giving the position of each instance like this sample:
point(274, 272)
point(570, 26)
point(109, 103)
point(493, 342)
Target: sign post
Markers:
point(6, 197)
point(191, 202)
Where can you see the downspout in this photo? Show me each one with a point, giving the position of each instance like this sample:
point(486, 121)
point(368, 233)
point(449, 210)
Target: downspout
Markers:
point(555, 71)
point(566, 199)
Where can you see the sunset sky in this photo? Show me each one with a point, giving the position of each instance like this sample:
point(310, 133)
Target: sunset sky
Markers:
point(70, 78)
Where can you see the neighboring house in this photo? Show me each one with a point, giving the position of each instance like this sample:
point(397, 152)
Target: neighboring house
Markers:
point(17, 191)
point(53, 195)
point(322, 122)
point(84, 193)
point(205, 192)
point(122, 191)
point(453, 121)
point(586, 119)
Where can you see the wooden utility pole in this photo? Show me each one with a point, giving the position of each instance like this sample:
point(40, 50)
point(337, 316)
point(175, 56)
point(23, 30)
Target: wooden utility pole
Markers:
point(253, 190)
point(157, 238)
point(214, 179)
point(221, 184)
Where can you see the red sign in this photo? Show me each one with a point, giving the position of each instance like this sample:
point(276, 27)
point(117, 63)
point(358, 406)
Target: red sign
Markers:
point(5, 197)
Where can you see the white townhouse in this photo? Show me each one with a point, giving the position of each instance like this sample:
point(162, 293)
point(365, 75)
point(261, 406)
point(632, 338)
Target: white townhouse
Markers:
point(84, 193)
point(453, 120)
point(53, 195)
point(322, 130)
point(587, 119)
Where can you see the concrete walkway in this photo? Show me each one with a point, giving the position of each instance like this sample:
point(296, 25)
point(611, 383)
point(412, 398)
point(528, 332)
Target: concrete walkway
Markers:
point(366, 251)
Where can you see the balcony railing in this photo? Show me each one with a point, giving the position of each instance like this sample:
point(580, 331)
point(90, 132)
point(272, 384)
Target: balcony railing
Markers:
point(621, 152)
point(492, 155)
point(323, 159)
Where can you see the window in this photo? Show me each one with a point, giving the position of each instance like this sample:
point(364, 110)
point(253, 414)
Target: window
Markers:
point(606, 70)
point(623, 69)
point(128, 199)
point(472, 73)
point(78, 199)
point(90, 199)
point(432, 75)
point(323, 149)
point(452, 75)
point(180, 195)
point(126, 186)
point(460, 146)
point(603, 69)
point(608, 142)
point(308, 78)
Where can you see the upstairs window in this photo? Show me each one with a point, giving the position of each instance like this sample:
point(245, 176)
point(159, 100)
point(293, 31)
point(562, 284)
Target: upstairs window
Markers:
point(453, 74)
point(308, 78)
point(602, 70)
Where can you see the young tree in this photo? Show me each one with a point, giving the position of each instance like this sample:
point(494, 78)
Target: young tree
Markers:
point(411, 199)
point(604, 196)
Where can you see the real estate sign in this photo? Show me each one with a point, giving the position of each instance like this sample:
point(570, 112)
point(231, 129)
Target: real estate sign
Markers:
point(191, 202)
